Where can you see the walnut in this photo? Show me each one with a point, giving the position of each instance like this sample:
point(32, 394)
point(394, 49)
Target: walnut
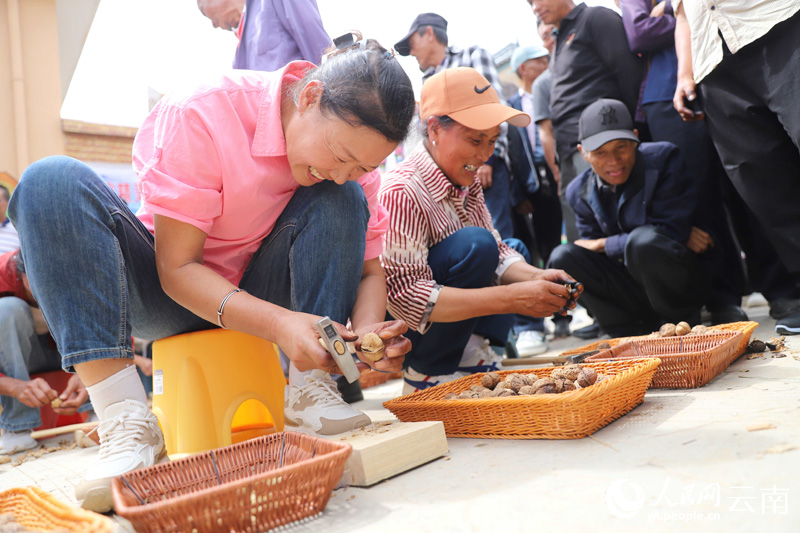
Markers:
point(558, 373)
point(682, 328)
point(467, 394)
point(490, 380)
point(563, 385)
point(550, 388)
point(527, 390)
point(667, 330)
point(699, 329)
point(603, 346)
point(503, 385)
point(55, 403)
point(506, 392)
point(571, 372)
point(539, 383)
point(478, 388)
point(450, 396)
point(372, 347)
point(588, 376)
point(601, 377)
point(756, 346)
point(486, 393)
point(516, 382)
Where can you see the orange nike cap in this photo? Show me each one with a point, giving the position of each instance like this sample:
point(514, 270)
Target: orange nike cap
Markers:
point(467, 97)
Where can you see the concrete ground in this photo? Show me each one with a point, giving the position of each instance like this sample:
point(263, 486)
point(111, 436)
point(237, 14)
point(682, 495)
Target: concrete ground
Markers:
point(684, 460)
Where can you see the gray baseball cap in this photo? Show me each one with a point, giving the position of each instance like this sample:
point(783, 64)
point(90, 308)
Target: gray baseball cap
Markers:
point(603, 121)
point(424, 19)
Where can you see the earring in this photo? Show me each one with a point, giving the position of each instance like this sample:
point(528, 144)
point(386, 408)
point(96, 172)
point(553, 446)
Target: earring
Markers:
point(434, 143)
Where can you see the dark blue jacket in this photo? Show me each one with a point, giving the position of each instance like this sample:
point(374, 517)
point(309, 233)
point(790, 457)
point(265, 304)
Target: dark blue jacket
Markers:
point(658, 193)
point(521, 155)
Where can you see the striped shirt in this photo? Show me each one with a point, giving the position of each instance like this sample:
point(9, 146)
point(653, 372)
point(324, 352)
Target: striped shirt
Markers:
point(424, 209)
point(9, 240)
point(740, 22)
point(481, 60)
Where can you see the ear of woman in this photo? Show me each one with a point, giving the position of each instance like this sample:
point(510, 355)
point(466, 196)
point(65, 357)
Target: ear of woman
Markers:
point(309, 95)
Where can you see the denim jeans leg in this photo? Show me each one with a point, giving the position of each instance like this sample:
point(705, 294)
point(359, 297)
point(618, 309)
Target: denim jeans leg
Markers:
point(312, 260)
point(19, 342)
point(467, 259)
point(91, 264)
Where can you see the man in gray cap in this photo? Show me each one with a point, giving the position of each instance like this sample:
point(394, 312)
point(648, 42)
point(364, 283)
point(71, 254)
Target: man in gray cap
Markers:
point(634, 210)
point(426, 41)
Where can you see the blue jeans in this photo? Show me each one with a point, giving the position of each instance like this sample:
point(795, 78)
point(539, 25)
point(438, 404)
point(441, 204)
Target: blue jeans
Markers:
point(524, 322)
point(22, 353)
point(467, 259)
point(92, 268)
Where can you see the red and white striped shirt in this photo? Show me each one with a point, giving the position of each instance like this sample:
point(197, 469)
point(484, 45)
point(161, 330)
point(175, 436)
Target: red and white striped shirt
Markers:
point(424, 209)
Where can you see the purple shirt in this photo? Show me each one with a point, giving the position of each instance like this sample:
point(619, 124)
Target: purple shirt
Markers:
point(277, 32)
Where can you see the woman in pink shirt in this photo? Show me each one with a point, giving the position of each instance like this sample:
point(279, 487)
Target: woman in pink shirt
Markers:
point(259, 214)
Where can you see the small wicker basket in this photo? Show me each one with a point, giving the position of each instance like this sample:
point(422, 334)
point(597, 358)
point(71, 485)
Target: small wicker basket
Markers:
point(686, 362)
point(569, 415)
point(36, 510)
point(746, 328)
point(251, 486)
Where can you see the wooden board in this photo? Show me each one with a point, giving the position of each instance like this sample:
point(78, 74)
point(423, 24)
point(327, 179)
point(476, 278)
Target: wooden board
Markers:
point(384, 449)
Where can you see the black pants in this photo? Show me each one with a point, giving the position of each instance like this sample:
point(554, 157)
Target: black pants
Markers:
point(754, 119)
point(660, 281)
point(703, 165)
point(541, 231)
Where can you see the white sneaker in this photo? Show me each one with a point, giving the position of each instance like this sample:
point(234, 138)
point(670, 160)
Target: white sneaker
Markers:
point(531, 343)
point(16, 441)
point(129, 439)
point(478, 356)
point(414, 381)
point(317, 407)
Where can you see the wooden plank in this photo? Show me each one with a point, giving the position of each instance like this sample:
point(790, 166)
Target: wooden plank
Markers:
point(52, 432)
point(385, 449)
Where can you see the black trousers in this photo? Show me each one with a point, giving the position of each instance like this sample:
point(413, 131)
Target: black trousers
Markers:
point(751, 104)
point(703, 165)
point(660, 281)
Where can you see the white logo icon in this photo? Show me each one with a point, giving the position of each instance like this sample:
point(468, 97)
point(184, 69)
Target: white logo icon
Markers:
point(619, 503)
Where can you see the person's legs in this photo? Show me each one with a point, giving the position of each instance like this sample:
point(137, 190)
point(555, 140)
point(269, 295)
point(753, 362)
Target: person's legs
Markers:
point(311, 262)
point(570, 168)
point(19, 342)
point(675, 283)
point(750, 100)
point(498, 200)
point(91, 264)
point(467, 259)
point(528, 330)
point(723, 264)
point(618, 303)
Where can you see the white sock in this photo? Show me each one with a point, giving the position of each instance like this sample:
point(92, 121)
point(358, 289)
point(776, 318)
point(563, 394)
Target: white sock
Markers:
point(124, 385)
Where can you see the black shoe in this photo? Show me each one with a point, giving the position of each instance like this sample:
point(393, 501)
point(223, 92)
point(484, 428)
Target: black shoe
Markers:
point(591, 331)
point(783, 307)
point(351, 392)
point(561, 324)
point(789, 325)
point(725, 314)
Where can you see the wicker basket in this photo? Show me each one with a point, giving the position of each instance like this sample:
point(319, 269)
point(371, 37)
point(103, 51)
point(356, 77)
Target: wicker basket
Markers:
point(36, 510)
point(686, 362)
point(252, 486)
point(569, 415)
point(746, 328)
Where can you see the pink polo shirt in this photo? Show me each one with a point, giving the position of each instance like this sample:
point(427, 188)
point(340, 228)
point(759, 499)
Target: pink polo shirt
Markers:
point(216, 159)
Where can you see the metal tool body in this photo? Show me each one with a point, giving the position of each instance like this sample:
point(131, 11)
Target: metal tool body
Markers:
point(337, 347)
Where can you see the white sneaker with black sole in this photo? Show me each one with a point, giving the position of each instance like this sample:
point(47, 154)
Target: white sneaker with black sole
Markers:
point(531, 343)
point(317, 408)
point(478, 356)
point(130, 439)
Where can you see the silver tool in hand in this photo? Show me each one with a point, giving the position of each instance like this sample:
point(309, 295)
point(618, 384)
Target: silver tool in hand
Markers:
point(337, 348)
